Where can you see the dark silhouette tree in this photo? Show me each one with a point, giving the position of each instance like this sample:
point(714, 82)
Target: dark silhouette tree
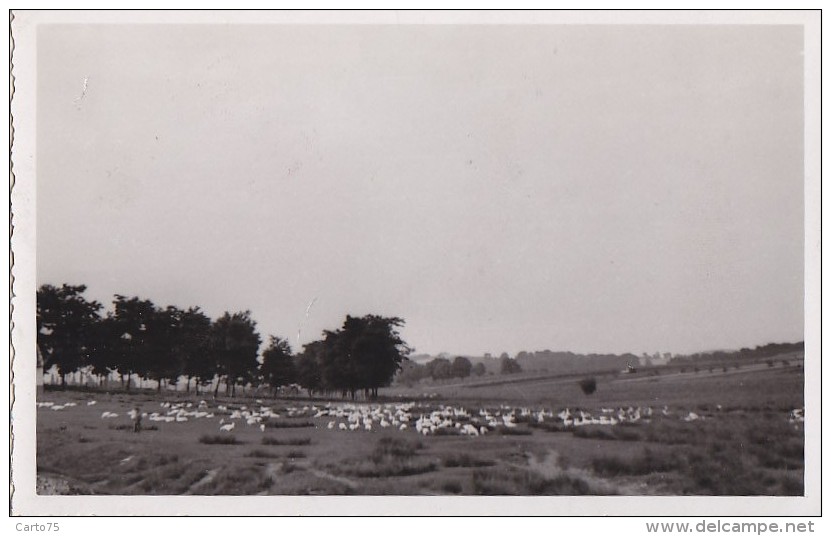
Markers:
point(377, 350)
point(363, 355)
point(411, 373)
point(104, 347)
point(309, 367)
point(588, 385)
point(478, 369)
point(338, 368)
point(65, 322)
point(162, 356)
point(195, 353)
point(278, 368)
point(461, 367)
point(132, 343)
point(236, 344)
point(508, 365)
point(440, 368)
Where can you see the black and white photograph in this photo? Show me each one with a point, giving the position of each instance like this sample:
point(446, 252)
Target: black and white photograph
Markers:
point(454, 257)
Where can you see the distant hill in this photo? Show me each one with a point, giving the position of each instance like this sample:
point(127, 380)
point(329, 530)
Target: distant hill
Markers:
point(570, 363)
point(421, 358)
point(560, 362)
point(546, 361)
point(491, 363)
point(760, 352)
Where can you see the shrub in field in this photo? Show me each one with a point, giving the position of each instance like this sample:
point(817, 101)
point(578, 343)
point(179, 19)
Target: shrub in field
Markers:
point(289, 424)
point(290, 441)
point(132, 479)
point(647, 462)
point(451, 486)
point(394, 446)
point(622, 432)
point(463, 459)
point(292, 454)
point(387, 466)
point(446, 431)
point(721, 472)
point(523, 419)
point(588, 385)
point(594, 432)
point(777, 445)
point(510, 481)
point(131, 428)
point(164, 459)
point(173, 478)
point(238, 481)
point(219, 439)
point(627, 432)
point(504, 430)
point(259, 453)
point(390, 457)
point(671, 432)
point(563, 485)
point(151, 484)
point(549, 426)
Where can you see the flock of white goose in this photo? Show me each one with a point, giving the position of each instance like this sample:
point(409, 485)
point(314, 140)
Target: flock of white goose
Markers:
point(424, 419)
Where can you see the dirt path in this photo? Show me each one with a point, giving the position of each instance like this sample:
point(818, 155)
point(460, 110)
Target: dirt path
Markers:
point(209, 476)
point(329, 476)
point(549, 467)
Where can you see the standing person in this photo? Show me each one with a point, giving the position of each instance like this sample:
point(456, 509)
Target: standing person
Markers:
point(136, 416)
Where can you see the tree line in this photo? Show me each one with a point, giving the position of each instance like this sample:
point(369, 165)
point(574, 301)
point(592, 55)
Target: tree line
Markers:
point(137, 338)
point(442, 368)
point(759, 352)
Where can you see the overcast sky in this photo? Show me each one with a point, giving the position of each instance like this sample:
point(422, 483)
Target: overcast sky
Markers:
point(501, 188)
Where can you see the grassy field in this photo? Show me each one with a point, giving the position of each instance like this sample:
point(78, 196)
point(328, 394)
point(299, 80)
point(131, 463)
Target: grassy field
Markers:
point(709, 433)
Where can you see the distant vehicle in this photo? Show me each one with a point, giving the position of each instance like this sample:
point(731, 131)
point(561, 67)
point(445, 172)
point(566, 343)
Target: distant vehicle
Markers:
point(629, 369)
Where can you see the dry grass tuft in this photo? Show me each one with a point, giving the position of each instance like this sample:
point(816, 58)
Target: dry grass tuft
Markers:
point(290, 441)
point(219, 439)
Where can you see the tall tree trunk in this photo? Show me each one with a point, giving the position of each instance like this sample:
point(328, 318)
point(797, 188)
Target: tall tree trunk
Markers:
point(187, 389)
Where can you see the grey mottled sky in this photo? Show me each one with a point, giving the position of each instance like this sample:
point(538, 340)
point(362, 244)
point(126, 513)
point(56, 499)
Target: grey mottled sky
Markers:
point(501, 188)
